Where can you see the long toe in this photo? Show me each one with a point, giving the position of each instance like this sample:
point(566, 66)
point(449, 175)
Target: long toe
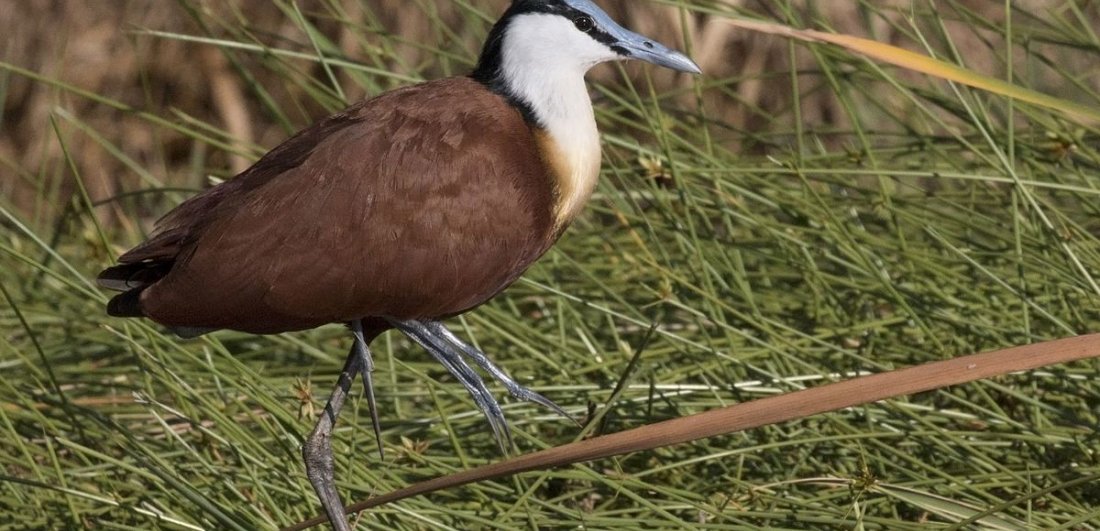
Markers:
point(366, 367)
point(518, 391)
point(448, 355)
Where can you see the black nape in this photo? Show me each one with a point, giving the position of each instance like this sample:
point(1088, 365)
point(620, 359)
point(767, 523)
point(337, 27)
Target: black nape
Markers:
point(488, 71)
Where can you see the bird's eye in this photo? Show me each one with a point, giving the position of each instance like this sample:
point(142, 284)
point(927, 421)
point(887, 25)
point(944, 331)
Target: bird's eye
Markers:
point(584, 23)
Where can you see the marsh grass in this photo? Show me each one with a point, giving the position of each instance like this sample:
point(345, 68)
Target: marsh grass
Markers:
point(924, 221)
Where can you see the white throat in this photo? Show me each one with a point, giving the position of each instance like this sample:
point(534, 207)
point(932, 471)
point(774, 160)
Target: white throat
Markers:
point(544, 60)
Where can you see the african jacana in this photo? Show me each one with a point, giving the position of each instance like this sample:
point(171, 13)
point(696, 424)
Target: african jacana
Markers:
point(401, 211)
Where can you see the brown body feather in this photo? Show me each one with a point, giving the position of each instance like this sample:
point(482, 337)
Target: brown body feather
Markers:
point(421, 203)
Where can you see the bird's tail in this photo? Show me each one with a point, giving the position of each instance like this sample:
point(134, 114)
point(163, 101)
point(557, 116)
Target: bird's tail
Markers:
point(131, 279)
point(127, 304)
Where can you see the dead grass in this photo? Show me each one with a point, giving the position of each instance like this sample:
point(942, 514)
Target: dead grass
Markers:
point(98, 45)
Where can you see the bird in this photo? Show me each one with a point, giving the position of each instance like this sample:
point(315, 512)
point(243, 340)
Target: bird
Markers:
point(397, 213)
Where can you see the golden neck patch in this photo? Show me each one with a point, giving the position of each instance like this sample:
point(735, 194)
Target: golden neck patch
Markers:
point(574, 164)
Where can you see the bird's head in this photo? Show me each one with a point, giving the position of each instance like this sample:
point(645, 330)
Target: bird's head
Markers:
point(565, 37)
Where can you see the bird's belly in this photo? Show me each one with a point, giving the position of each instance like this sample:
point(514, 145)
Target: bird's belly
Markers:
point(415, 279)
point(444, 279)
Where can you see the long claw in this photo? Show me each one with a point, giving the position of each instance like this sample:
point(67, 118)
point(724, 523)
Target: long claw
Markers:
point(366, 368)
point(518, 391)
point(445, 353)
point(483, 398)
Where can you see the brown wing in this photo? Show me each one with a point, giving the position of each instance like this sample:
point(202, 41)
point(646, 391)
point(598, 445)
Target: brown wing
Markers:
point(178, 228)
point(423, 202)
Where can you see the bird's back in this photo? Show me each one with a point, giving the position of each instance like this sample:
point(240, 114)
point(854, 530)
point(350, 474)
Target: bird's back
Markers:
point(420, 203)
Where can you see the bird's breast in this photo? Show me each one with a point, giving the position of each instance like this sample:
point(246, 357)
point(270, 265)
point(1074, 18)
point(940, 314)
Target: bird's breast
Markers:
point(573, 160)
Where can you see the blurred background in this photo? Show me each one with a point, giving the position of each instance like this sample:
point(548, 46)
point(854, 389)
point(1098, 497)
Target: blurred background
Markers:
point(165, 59)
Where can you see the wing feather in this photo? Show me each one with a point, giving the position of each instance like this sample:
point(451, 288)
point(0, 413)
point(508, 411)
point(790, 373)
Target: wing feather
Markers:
point(423, 202)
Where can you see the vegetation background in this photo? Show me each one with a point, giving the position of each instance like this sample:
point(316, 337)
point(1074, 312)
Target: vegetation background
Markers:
point(795, 216)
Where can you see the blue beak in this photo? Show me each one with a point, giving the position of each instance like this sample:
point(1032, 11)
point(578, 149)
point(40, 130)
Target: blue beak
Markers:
point(638, 47)
point(631, 45)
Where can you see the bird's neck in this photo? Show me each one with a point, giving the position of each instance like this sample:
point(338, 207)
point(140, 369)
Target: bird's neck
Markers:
point(566, 130)
point(554, 99)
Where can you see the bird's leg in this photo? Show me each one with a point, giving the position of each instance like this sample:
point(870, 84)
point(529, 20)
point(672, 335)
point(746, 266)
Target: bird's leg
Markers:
point(446, 354)
point(366, 367)
point(514, 388)
point(317, 449)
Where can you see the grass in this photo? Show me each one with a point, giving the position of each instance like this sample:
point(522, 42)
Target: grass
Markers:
point(925, 221)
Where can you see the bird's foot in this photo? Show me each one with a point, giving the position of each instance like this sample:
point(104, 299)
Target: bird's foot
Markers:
point(446, 354)
point(449, 350)
point(514, 388)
